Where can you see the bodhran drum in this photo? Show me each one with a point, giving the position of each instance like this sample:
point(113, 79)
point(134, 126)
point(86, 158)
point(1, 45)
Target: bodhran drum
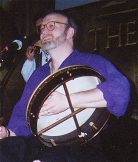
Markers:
point(73, 125)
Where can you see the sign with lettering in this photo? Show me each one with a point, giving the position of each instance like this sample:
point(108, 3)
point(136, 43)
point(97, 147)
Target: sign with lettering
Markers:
point(111, 31)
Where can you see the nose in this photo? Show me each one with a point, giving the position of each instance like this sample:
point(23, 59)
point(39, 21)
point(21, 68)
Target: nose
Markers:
point(43, 32)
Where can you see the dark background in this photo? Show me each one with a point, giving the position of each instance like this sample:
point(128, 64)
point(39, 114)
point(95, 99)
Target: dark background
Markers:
point(98, 21)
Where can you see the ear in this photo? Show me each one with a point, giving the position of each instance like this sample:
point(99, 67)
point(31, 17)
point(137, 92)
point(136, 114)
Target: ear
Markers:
point(70, 33)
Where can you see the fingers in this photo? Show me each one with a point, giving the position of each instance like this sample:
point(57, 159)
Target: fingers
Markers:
point(45, 109)
point(30, 52)
point(3, 132)
point(52, 106)
point(38, 43)
point(45, 112)
point(1, 129)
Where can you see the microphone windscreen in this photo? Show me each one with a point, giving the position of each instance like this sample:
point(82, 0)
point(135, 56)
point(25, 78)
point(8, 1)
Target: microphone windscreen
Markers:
point(19, 43)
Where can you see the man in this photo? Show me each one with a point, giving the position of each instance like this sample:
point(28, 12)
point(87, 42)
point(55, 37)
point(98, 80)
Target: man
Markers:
point(57, 35)
point(36, 56)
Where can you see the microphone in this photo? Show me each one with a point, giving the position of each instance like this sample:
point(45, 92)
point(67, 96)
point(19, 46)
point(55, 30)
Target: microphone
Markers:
point(15, 45)
point(5, 54)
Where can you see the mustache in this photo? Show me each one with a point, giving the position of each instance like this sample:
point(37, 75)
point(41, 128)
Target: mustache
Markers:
point(47, 35)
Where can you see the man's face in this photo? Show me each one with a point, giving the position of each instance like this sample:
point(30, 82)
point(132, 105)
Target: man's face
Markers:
point(53, 31)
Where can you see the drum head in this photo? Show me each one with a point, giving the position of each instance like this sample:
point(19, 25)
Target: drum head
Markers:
point(72, 125)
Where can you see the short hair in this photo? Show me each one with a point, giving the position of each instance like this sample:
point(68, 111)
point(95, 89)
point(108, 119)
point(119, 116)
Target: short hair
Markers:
point(71, 21)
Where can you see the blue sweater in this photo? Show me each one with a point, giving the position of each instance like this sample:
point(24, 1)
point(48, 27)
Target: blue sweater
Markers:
point(116, 88)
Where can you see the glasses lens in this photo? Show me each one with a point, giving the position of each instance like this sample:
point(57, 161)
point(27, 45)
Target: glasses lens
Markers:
point(51, 25)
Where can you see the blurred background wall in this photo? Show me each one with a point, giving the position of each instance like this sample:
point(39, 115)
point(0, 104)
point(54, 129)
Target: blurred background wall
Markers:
point(107, 27)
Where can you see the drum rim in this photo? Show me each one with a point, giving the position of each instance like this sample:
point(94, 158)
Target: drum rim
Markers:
point(68, 70)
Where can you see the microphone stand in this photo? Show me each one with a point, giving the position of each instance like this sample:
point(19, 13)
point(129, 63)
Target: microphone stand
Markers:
point(3, 83)
point(1, 105)
point(9, 65)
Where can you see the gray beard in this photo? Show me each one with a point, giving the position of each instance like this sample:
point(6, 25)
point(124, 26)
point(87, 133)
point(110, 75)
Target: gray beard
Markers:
point(55, 43)
point(50, 45)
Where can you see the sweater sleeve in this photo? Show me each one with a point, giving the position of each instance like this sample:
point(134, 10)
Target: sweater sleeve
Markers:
point(116, 89)
point(18, 123)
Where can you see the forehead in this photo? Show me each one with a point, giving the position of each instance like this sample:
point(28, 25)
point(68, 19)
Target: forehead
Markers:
point(55, 17)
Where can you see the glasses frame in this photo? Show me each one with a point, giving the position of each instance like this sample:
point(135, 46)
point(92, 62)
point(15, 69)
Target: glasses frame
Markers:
point(45, 25)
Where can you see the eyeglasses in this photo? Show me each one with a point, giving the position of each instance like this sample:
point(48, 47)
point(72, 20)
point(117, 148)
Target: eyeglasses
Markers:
point(51, 25)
